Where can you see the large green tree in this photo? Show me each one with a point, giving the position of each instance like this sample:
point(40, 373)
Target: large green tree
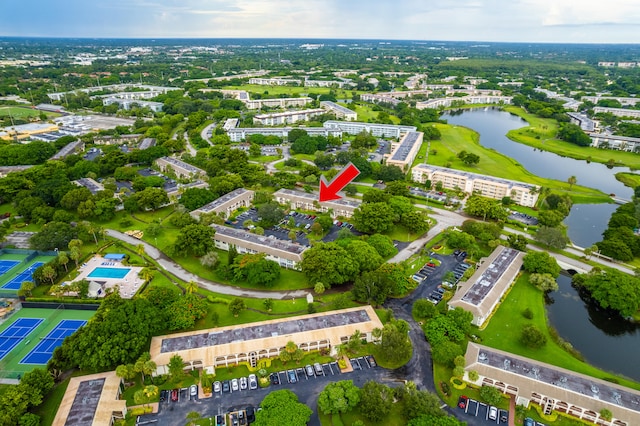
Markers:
point(194, 239)
point(376, 400)
point(540, 262)
point(282, 407)
point(328, 263)
point(339, 397)
point(374, 218)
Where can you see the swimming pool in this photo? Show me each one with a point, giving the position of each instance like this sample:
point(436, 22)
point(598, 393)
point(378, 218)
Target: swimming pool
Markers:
point(109, 272)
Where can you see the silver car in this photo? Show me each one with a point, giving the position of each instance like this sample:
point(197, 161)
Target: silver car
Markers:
point(217, 387)
point(253, 382)
point(234, 385)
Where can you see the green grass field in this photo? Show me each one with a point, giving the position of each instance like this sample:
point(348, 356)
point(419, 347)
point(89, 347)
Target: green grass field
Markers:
point(10, 365)
point(632, 180)
point(23, 112)
point(457, 138)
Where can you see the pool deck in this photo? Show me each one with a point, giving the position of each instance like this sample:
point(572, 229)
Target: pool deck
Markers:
point(128, 285)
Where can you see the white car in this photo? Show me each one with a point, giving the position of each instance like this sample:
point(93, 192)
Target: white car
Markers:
point(493, 413)
point(234, 385)
point(217, 387)
point(193, 390)
point(243, 383)
point(253, 382)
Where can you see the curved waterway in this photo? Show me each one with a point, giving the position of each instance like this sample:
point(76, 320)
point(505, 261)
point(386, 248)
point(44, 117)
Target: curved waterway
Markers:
point(585, 222)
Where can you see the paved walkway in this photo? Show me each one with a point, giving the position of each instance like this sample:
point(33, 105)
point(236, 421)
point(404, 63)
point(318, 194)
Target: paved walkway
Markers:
point(174, 268)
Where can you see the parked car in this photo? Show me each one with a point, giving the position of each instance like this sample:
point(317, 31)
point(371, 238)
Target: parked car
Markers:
point(463, 401)
point(371, 360)
point(234, 385)
point(493, 413)
point(217, 386)
point(431, 265)
point(253, 382)
point(504, 416)
point(528, 422)
point(318, 368)
point(226, 386)
point(274, 378)
point(193, 390)
point(220, 421)
point(309, 370)
point(243, 383)
point(292, 376)
point(174, 395)
point(251, 414)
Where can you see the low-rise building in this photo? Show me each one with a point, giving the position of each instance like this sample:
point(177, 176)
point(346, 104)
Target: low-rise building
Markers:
point(343, 207)
point(379, 130)
point(379, 98)
point(113, 140)
point(23, 131)
point(127, 104)
point(466, 100)
point(147, 143)
point(520, 193)
point(286, 253)
point(553, 388)
point(227, 346)
point(239, 134)
point(618, 112)
point(624, 101)
point(404, 152)
point(287, 117)
point(275, 81)
point(481, 294)
point(68, 149)
point(341, 112)
point(277, 102)
point(92, 400)
point(181, 169)
point(230, 123)
point(620, 143)
point(227, 204)
point(329, 83)
point(585, 123)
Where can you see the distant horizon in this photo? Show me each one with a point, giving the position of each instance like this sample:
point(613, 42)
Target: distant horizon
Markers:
point(319, 39)
point(497, 21)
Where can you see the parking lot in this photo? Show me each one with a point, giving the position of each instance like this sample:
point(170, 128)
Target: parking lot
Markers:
point(305, 384)
point(482, 411)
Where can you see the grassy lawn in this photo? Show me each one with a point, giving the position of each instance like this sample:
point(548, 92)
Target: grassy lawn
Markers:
point(400, 233)
point(394, 418)
point(541, 134)
point(503, 332)
point(24, 112)
point(631, 180)
point(457, 138)
point(265, 158)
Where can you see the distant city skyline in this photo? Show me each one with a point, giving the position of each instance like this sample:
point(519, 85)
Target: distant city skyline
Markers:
point(558, 21)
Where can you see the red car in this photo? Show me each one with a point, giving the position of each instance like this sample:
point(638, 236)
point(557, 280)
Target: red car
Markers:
point(174, 395)
point(462, 401)
point(432, 265)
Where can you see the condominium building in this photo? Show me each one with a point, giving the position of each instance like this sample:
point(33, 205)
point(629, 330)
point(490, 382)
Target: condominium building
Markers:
point(585, 123)
point(341, 112)
point(93, 186)
point(553, 388)
point(621, 143)
point(127, 104)
point(223, 347)
point(277, 103)
point(239, 134)
point(309, 201)
point(181, 169)
point(481, 294)
point(624, 101)
point(275, 81)
point(227, 204)
point(68, 149)
point(404, 152)
point(92, 400)
point(287, 117)
point(447, 102)
point(329, 83)
point(230, 123)
point(520, 193)
point(379, 98)
point(378, 130)
point(618, 112)
point(286, 253)
point(114, 88)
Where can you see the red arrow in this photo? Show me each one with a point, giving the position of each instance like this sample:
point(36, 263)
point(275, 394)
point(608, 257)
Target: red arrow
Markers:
point(329, 191)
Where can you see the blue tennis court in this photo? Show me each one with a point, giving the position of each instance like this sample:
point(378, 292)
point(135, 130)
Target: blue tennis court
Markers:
point(16, 332)
point(43, 351)
point(6, 265)
point(26, 275)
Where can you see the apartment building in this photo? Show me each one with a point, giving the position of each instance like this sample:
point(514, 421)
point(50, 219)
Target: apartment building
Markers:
point(275, 81)
point(287, 117)
point(624, 101)
point(447, 102)
point(481, 294)
point(620, 143)
point(404, 152)
point(329, 83)
point(286, 253)
point(341, 112)
point(239, 134)
point(223, 347)
point(68, 149)
point(521, 193)
point(585, 123)
point(227, 204)
point(379, 98)
point(230, 123)
point(277, 103)
point(158, 90)
point(618, 112)
point(127, 104)
point(378, 130)
point(181, 169)
point(300, 200)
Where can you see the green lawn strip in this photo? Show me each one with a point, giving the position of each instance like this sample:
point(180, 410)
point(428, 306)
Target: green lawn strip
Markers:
point(50, 404)
point(400, 233)
point(632, 180)
point(541, 134)
point(505, 327)
point(394, 418)
point(24, 112)
point(265, 158)
point(457, 138)
point(309, 157)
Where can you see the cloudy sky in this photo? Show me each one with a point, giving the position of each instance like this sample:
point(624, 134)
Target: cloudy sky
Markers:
point(575, 21)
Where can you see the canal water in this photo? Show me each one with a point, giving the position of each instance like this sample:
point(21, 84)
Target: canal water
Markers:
point(586, 222)
point(604, 338)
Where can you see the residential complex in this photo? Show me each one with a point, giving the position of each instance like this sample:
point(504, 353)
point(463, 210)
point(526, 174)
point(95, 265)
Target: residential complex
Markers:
point(404, 152)
point(621, 143)
point(286, 253)
point(127, 104)
point(158, 90)
point(93, 186)
point(341, 112)
point(379, 130)
point(623, 101)
point(275, 81)
point(227, 204)
point(520, 193)
point(618, 112)
point(70, 148)
point(239, 134)
point(225, 346)
point(481, 294)
point(582, 120)
point(553, 388)
point(92, 400)
point(343, 207)
point(447, 102)
point(287, 117)
point(180, 168)
point(379, 98)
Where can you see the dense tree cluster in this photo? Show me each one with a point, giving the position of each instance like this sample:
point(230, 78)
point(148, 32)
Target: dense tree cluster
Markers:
point(619, 240)
point(486, 208)
point(29, 393)
point(446, 333)
point(380, 211)
point(573, 133)
point(612, 289)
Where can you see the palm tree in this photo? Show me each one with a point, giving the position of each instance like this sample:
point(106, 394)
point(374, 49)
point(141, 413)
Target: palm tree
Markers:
point(125, 371)
point(572, 180)
point(75, 254)
point(191, 287)
point(63, 259)
point(146, 274)
point(49, 273)
point(193, 417)
point(140, 249)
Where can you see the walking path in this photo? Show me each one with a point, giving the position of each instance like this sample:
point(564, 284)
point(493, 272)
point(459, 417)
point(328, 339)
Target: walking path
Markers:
point(170, 265)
